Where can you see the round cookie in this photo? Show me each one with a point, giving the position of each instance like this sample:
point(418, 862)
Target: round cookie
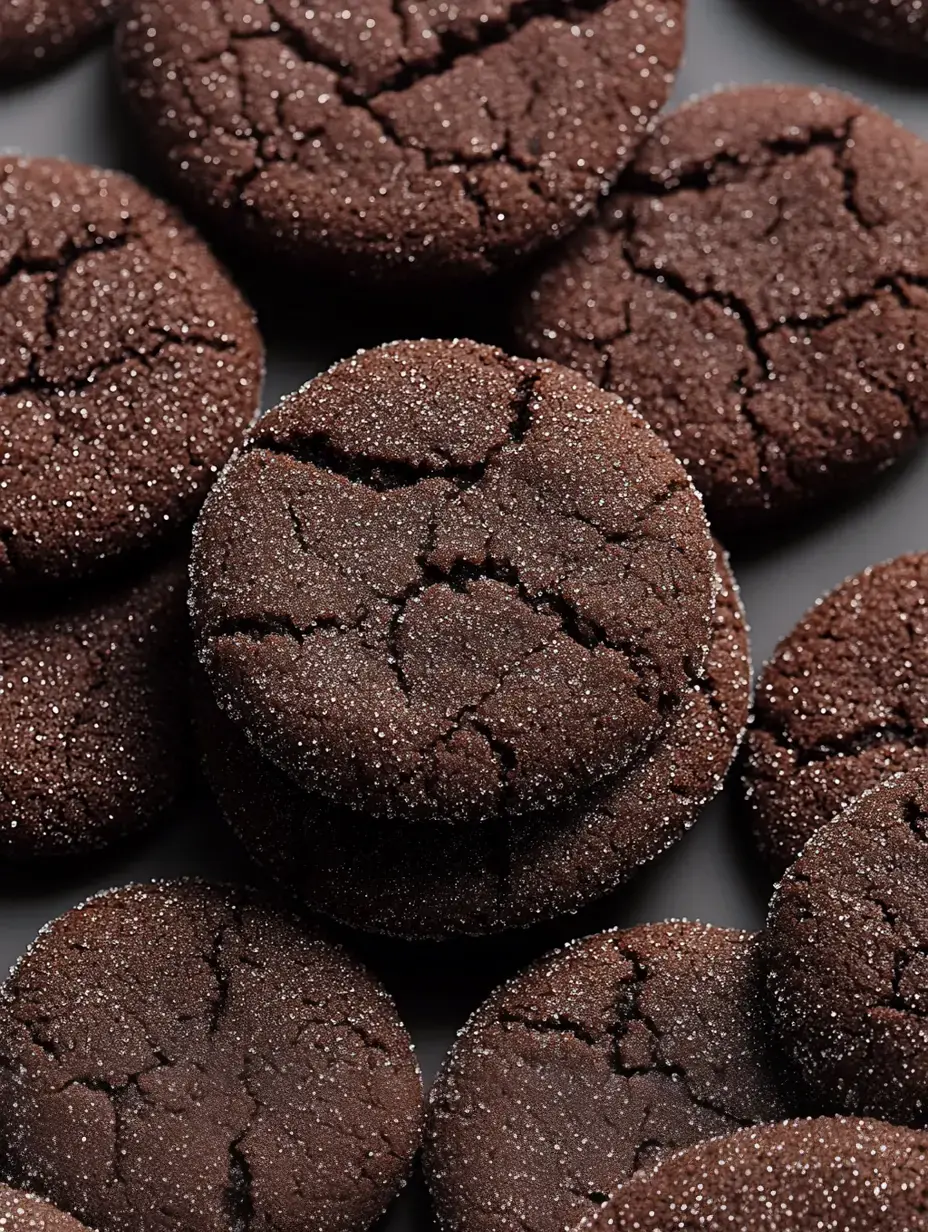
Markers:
point(898, 25)
point(599, 1059)
point(94, 723)
point(486, 878)
point(398, 141)
point(847, 945)
point(262, 1067)
point(824, 1175)
point(756, 288)
point(442, 583)
point(842, 705)
point(130, 368)
point(36, 34)
point(22, 1212)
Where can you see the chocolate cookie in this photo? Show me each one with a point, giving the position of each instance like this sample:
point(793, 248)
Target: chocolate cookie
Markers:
point(22, 1212)
point(442, 583)
point(898, 25)
point(130, 368)
point(36, 34)
point(496, 875)
point(847, 948)
point(596, 1061)
point(94, 725)
point(842, 705)
point(825, 1175)
point(262, 1068)
point(401, 140)
point(756, 287)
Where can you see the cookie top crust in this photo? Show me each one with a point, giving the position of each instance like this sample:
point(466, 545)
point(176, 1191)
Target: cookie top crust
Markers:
point(130, 367)
point(440, 582)
point(756, 287)
point(823, 1175)
point(263, 1068)
point(407, 140)
point(841, 705)
point(846, 945)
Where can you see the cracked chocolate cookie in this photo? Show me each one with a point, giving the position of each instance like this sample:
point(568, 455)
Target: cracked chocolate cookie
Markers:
point(495, 875)
point(37, 34)
point(442, 583)
point(758, 288)
point(94, 727)
point(263, 1069)
point(130, 368)
point(22, 1212)
point(842, 705)
point(599, 1059)
point(898, 25)
point(825, 1175)
point(847, 950)
point(397, 140)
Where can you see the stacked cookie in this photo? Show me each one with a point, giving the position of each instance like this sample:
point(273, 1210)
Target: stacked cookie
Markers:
point(464, 624)
point(130, 368)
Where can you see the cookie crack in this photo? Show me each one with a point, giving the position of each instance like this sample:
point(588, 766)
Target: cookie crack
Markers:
point(319, 450)
point(853, 744)
point(634, 1011)
point(557, 1024)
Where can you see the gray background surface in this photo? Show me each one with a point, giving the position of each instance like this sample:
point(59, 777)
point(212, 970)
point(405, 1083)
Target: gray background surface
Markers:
point(711, 875)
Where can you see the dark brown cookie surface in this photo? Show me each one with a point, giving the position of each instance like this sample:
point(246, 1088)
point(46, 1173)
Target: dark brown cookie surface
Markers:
point(824, 1175)
point(22, 1212)
point(842, 705)
point(94, 727)
point(37, 34)
point(898, 25)
point(262, 1068)
point(598, 1060)
point(442, 583)
point(485, 878)
point(847, 946)
point(407, 140)
point(131, 367)
point(756, 288)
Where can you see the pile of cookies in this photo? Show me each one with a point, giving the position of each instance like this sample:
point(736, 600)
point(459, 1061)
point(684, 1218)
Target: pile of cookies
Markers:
point(462, 643)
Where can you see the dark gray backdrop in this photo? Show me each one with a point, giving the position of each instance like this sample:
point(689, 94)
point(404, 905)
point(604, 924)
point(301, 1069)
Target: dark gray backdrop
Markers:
point(711, 875)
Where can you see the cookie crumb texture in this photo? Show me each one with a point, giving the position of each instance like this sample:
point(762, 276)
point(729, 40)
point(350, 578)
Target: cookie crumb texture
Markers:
point(842, 705)
point(130, 368)
point(758, 288)
point(824, 1175)
point(22, 1212)
point(181, 1056)
point(898, 25)
point(598, 1060)
point(407, 139)
point(848, 956)
point(94, 729)
point(38, 34)
point(442, 583)
point(485, 878)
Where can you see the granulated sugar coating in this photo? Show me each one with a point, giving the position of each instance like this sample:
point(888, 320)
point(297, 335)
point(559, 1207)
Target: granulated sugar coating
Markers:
point(442, 583)
point(36, 34)
point(596, 1061)
point(487, 877)
point(182, 1056)
point(129, 368)
point(21, 1212)
point(899, 25)
point(758, 288)
point(824, 1175)
point(848, 955)
point(842, 705)
point(93, 715)
point(412, 139)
